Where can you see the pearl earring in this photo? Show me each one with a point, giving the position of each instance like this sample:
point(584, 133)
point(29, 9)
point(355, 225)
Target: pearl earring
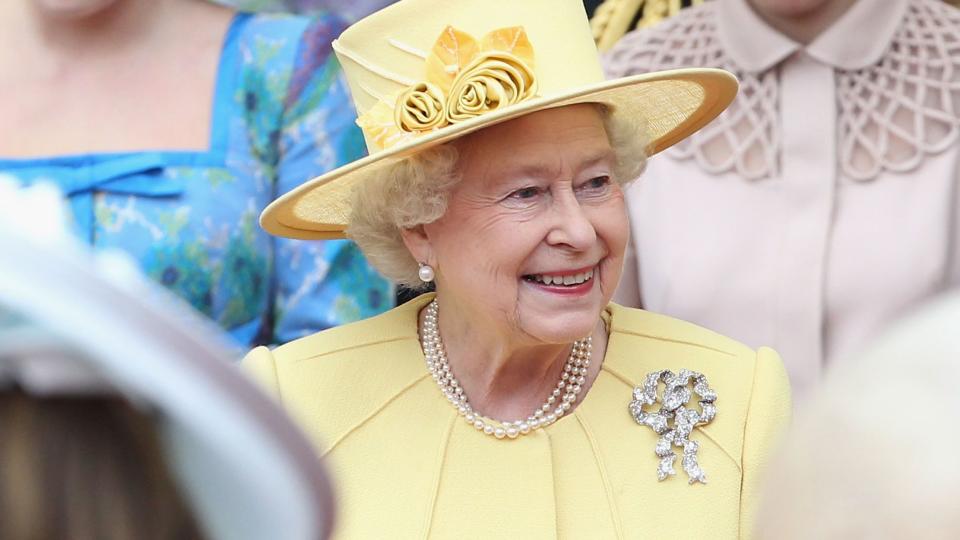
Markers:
point(426, 273)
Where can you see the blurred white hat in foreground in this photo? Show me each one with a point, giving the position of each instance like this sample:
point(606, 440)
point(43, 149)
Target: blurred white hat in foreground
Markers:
point(875, 452)
point(246, 472)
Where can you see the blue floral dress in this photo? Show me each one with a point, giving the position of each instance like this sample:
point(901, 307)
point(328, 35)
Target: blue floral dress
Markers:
point(352, 10)
point(281, 115)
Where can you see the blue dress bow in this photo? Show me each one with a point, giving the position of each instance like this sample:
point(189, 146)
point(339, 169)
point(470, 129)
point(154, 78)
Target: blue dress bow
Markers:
point(80, 177)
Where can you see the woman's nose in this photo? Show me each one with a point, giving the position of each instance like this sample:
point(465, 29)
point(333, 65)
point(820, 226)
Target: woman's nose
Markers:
point(571, 225)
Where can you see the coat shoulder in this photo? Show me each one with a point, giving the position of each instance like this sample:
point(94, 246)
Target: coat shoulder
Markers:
point(332, 381)
point(395, 325)
point(639, 325)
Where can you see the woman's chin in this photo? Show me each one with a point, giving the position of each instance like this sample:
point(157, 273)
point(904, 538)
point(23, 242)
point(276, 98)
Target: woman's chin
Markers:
point(553, 317)
point(562, 327)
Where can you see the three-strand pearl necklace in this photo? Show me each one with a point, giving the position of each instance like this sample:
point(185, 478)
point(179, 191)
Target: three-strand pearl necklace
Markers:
point(560, 401)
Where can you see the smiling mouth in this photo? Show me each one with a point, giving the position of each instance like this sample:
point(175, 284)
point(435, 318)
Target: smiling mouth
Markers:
point(561, 280)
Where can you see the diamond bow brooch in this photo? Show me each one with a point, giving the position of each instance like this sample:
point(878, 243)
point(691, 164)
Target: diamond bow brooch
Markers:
point(673, 421)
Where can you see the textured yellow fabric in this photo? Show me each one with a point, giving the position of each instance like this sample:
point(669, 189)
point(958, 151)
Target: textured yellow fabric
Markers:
point(406, 466)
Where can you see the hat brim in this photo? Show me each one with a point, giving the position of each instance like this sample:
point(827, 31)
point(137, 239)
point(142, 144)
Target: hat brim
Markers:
point(673, 105)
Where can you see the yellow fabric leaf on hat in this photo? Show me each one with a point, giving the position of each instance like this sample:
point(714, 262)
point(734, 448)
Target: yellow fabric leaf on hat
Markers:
point(513, 40)
point(380, 126)
point(452, 51)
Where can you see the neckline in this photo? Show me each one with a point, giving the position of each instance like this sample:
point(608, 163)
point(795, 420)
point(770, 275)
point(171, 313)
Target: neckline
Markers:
point(226, 81)
point(419, 303)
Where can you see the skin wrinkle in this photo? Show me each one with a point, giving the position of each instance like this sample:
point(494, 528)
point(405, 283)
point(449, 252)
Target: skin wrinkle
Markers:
point(506, 340)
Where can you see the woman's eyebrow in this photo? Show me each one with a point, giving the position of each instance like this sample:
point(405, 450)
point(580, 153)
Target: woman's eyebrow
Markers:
point(544, 170)
point(539, 170)
point(607, 157)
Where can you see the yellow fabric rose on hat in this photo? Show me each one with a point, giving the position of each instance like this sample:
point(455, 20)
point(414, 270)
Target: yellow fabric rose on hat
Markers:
point(485, 76)
point(420, 108)
point(465, 78)
point(492, 81)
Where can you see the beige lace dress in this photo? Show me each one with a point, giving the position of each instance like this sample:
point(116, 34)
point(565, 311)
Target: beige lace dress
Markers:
point(823, 203)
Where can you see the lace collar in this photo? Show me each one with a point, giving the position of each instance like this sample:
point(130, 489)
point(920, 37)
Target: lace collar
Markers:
point(900, 106)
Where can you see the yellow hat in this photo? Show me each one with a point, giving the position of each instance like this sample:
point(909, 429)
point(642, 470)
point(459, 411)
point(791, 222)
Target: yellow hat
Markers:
point(424, 72)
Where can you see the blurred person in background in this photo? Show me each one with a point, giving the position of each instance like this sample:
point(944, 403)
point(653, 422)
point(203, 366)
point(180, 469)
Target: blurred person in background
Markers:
point(824, 202)
point(873, 453)
point(170, 124)
point(121, 417)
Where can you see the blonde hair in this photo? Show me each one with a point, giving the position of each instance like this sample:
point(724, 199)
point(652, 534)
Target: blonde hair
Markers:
point(415, 192)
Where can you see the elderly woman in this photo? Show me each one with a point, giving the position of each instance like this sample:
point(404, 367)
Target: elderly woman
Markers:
point(516, 401)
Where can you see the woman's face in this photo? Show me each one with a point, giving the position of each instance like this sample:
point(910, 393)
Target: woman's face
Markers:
point(534, 235)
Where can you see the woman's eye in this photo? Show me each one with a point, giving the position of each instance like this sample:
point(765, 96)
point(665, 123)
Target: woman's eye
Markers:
point(597, 182)
point(525, 193)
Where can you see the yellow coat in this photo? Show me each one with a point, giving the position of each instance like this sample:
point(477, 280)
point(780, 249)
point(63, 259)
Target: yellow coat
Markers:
point(407, 466)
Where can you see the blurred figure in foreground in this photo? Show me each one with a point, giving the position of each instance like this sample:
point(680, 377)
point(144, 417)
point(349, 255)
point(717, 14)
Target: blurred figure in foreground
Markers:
point(105, 458)
point(120, 419)
point(824, 202)
point(170, 124)
point(873, 453)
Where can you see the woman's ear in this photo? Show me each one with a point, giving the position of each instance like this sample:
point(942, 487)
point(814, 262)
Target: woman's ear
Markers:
point(418, 243)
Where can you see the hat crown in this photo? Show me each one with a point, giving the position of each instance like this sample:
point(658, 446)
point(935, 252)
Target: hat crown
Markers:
point(386, 53)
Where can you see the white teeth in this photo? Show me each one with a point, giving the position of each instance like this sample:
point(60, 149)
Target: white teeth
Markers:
point(573, 279)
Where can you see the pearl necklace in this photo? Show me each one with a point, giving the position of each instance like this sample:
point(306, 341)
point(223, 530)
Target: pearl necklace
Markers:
point(570, 384)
